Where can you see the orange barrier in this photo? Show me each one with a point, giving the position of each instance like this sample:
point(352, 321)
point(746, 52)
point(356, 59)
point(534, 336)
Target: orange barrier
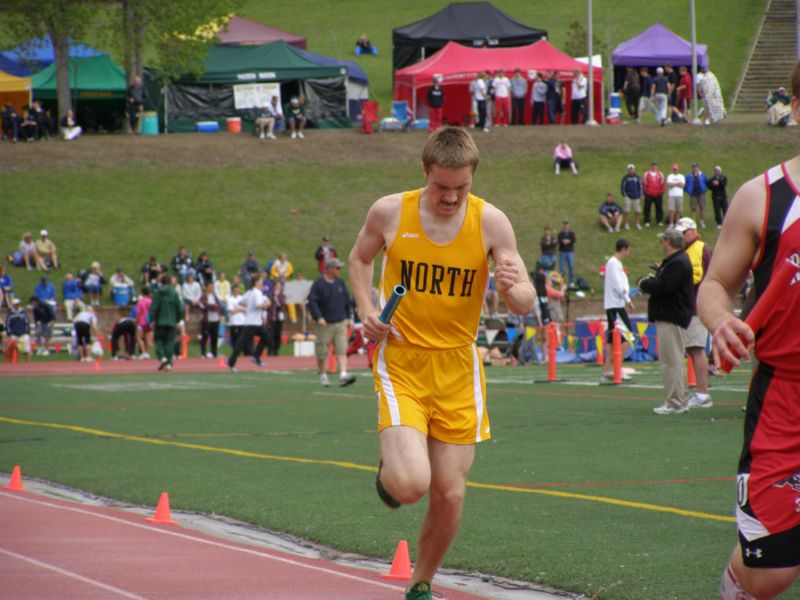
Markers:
point(616, 355)
point(185, 347)
point(331, 361)
point(691, 377)
point(601, 342)
point(552, 343)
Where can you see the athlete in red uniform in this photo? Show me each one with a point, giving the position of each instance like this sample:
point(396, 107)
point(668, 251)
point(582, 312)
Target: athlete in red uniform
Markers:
point(760, 232)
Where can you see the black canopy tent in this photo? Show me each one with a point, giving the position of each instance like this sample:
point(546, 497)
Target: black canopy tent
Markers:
point(475, 24)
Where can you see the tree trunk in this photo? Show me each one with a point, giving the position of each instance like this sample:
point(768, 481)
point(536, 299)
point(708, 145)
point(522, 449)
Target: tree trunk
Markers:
point(127, 39)
point(61, 55)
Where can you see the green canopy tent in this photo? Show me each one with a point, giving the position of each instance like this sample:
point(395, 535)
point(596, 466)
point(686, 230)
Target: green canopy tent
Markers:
point(237, 79)
point(97, 88)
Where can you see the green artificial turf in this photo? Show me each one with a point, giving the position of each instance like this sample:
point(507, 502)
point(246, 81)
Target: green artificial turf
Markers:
point(582, 487)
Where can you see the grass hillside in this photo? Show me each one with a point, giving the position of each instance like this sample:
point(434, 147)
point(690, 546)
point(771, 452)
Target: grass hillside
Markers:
point(333, 27)
point(119, 199)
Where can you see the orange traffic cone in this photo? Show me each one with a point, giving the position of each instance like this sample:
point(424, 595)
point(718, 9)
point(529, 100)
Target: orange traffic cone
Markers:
point(401, 565)
point(162, 511)
point(97, 365)
point(331, 362)
point(15, 483)
point(691, 378)
point(222, 364)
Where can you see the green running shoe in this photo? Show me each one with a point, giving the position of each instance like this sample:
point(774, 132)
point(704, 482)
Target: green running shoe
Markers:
point(419, 591)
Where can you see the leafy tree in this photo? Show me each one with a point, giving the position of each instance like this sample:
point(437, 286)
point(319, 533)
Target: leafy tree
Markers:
point(63, 20)
point(577, 43)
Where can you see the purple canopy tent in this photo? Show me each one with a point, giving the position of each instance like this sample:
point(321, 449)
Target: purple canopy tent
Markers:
point(245, 31)
point(656, 47)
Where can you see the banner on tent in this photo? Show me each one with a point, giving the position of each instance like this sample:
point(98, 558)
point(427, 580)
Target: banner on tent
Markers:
point(255, 95)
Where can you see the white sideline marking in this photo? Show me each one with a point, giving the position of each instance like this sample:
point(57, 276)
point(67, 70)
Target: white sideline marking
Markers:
point(202, 541)
point(71, 575)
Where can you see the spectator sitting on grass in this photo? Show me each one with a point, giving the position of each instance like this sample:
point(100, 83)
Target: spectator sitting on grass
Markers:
point(11, 122)
point(191, 293)
point(18, 330)
point(43, 322)
point(26, 254)
point(46, 250)
point(250, 268)
point(182, 264)
point(6, 287)
point(610, 214)
point(562, 157)
point(364, 46)
point(152, 270)
point(295, 113)
point(93, 282)
point(71, 293)
point(70, 130)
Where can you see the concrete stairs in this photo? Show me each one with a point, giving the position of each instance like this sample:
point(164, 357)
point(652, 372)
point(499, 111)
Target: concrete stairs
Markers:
point(773, 57)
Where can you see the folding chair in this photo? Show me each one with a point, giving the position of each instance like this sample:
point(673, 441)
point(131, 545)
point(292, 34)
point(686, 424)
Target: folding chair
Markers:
point(370, 113)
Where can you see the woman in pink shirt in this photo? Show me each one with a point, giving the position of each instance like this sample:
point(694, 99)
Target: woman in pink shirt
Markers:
point(144, 331)
point(562, 157)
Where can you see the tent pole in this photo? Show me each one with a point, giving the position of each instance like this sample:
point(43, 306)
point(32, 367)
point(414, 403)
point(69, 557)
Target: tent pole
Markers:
point(695, 119)
point(590, 121)
point(166, 112)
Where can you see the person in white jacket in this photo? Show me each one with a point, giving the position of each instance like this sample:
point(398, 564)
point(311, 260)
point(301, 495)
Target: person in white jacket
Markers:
point(616, 298)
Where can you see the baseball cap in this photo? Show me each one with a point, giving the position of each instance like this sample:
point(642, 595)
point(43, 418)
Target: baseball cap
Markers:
point(15, 301)
point(685, 224)
point(675, 166)
point(326, 238)
point(694, 164)
point(334, 262)
point(43, 232)
point(631, 166)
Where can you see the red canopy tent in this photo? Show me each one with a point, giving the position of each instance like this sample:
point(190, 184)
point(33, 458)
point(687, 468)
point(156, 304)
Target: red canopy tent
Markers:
point(457, 65)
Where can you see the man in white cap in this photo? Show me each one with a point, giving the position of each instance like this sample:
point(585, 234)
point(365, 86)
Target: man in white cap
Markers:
point(696, 335)
point(46, 249)
point(632, 194)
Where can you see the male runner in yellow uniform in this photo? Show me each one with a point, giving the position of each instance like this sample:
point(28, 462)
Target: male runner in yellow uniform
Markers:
point(429, 378)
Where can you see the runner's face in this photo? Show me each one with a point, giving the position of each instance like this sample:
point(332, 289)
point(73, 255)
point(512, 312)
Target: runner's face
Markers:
point(448, 189)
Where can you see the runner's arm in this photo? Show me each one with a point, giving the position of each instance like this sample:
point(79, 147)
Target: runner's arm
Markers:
point(510, 274)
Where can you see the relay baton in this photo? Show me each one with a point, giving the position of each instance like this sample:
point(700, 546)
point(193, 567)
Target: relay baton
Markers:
point(761, 311)
point(388, 310)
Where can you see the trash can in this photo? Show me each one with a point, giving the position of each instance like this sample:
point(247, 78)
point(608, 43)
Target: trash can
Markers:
point(149, 123)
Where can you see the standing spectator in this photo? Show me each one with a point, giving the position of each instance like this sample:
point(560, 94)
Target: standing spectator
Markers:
point(713, 104)
point(254, 304)
point(204, 269)
point(697, 335)
point(479, 93)
point(295, 113)
point(653, 184)
point(43, 326)
point(275, 317)
point(27, 255)
point(249, 269)
point(165, 313)
point(502, 98)
point(580, 85)
point(222, 288)
point(331, 307)
point(562, 157)
point(85, 325)
point(144, 328)
point(136, 97)
point(236, 313)
point(72, 293)
point(610, 213)
point(632, 193)
point(435, 104)
point(659, 95)
point(70, 130)
point(18, 329)
point(718, 185)
point(548, 245)
point(45, 291)
point(6, 287)
point(183, 264)
point(93, 282)
point(554, 103)
point(696, 184)
point(151, 271)
point(538, 100)
point(632, 88)
point(672, 96)
point(122, 290)
point(46, 250)
point(519, 88)
point(645, 102)
point(616, 298)
point(670, 308)
point(11, 122)
point(675, 186)
point(566, 251)
point(211, 309)
point(685, 93)
point(282, 270)
point(324, 253)
point(124, 329)
point(191, 294)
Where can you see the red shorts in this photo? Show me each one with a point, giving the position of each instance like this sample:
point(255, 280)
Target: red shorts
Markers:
point(768, 513)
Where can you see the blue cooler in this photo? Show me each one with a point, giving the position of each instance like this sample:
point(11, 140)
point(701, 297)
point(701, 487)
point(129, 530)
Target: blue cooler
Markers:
point(207, 126)
point(614, 101)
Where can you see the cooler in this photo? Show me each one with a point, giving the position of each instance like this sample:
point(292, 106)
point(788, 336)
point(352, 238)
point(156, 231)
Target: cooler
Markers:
point(207, 126)
point(234, 124)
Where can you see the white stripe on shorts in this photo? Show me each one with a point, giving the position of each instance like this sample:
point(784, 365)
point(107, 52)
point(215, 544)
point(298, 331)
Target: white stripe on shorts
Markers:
point(386, 385)
point(477, 390)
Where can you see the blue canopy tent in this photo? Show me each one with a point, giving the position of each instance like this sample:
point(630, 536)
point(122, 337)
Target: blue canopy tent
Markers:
point(36, 54)
point(356, 84)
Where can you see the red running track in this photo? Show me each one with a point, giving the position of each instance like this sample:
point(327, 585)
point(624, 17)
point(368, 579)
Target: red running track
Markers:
point(53, 548)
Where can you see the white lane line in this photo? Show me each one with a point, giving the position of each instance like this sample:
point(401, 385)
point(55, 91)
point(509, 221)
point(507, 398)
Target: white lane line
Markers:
point(71, 575)
point(224, 546)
